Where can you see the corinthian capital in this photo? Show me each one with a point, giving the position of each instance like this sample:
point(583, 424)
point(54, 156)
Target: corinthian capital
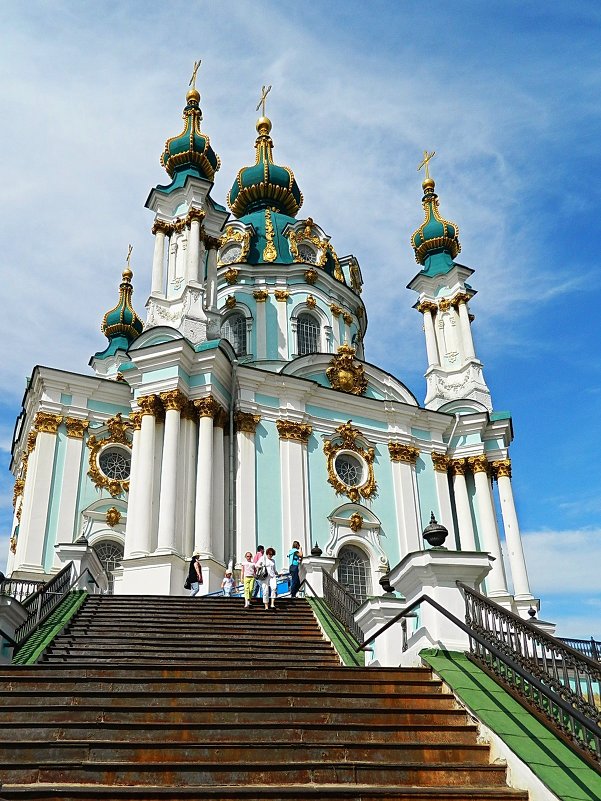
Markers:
point(458, 467)
point(300, 432)
point(440, 461)
point(207, 407)
point(479, 464)
point(149, 405)
point(76, 428)
point(402, 453)
point(247, 422)
point(47, 423)
point(174, 399)
point(502, 468)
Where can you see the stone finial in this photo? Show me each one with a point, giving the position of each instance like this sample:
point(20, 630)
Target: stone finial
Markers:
point(435, 533)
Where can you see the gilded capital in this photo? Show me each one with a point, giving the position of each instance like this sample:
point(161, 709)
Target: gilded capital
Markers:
point(18, 489)
point(282, 295)
point(174, 399)
point(221, 418)
point(479, 464)
point(47, 423)
point(135, 419)
point(260, 295)
point(502, 468)
point(311, 276)
point(162, 227)
point(348, 318)
point(231, 275)
point(247, 422)
point(458, 467)
point(149, 405)
point(300, 432)
point(440, 461)
point(444, 304)
point(460, 297)
point(426, 306)
point(207, 407)
point(76, 428)
point(403, 453)
point(335, 309)
point(195, 214)
point(189, 411)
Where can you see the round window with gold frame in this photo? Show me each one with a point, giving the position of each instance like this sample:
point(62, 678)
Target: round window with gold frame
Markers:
point(350, 468)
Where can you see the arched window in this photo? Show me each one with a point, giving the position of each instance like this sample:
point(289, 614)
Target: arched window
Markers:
point(110, 554)
point(353, 571)
point(234, 330)
point(308, 334)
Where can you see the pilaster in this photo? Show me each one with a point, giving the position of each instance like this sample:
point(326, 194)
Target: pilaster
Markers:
point(403, 458)
point(294, 480)
point(246, 509)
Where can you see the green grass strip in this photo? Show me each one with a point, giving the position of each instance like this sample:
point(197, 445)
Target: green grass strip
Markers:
point(33, 647)
point(555, 764)
point(343, 642)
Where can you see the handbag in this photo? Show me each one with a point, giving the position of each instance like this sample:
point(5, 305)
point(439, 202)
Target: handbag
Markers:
point(187, 585)
point(260, 571)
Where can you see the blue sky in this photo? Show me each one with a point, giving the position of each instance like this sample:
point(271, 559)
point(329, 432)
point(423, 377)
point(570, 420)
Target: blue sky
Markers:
point(507, 93)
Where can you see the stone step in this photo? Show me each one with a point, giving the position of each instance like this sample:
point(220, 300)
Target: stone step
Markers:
point(204, 642)
point(291, 792)
point(242, 753)
point(74, 655)
point(419, 774)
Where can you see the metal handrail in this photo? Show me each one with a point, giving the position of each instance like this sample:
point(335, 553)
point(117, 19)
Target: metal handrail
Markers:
point(44, 601)
point(578, 728)
point(343, 605)
point(350, 638)
point(590, 648)
point(19, 589)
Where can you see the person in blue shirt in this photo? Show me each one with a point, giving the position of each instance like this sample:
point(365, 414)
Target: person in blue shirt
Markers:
point(295, 554)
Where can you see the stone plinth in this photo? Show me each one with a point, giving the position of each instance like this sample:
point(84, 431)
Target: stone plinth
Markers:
point(386, 650)
point(312, 569)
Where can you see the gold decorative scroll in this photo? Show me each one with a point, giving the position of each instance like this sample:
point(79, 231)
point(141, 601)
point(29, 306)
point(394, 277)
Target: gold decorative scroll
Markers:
point(345, 374)
point(207, 407)
point(18, 490)
point(335, 309)
point(113, 516)
point(479, 464)
point(246, 422)
point(235, 236)
point(174, 399)
point(355, 521)
point(300, 432)
point(400, 452)
point(502, 468)
point(47, 423)
point(76, 428)
point(269, 253)
point(440, 461)
point(260, 295)
point(348, 438)
point(116, 435)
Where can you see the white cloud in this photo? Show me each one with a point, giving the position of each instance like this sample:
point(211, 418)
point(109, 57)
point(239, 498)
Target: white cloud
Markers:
point(566, 561)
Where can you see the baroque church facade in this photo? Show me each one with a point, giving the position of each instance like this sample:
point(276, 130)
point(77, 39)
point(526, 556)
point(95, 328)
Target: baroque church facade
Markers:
point(244, 410)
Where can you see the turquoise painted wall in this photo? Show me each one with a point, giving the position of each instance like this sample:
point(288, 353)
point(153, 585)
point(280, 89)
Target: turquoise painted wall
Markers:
point(426, 488)
point(384, 506)
point(342, 417)
point(322, 497)
point(107, 408)
point(55, 492)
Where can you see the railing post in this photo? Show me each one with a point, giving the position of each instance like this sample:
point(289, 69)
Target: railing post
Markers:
point(594, 651)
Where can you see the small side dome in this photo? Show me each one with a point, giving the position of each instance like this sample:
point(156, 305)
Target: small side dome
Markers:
point(191, 150)
point(265, 184)
point(435, 235)
point(122, 325)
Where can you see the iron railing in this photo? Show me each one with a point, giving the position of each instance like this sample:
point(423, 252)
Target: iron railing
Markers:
point(19, 589)
point(560, 683)
point(590, 648)
point(342, 604)
point(493, 635)
point(44, 601)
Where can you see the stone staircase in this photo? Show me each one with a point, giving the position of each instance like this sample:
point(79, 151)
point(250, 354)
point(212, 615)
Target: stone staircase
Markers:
point(181, 698)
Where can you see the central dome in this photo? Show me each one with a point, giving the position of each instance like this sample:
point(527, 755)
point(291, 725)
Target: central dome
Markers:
point(265, 184)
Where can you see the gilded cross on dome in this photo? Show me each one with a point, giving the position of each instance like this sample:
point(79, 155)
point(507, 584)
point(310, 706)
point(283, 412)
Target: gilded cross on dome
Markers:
point(129, 252)
point(424, 163)
point(194, 71)
point(261, 103)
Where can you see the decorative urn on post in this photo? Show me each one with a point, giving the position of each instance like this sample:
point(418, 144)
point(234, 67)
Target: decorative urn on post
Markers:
point(316, 550)
point(435, 533)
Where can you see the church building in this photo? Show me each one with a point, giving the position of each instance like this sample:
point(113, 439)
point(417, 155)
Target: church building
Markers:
point(242, 408)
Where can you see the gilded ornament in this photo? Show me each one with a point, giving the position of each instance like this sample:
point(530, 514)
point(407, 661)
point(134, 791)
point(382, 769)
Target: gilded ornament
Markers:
point(13, 544)
point(282, 295)
point(479, 464)
point(426, 306)
point(269, 253)
point(116, 434)
point(458, 467)
point(355, 521)
point(117, 429)
point(234, 236)
point(359, 312)
point(247, 422)
point(400, 452)
point(440, 461)
point(18, 490)
point(163, 227)
point(348, 318)
point(335, 309)
point(460, 297)
point(173, 400)
point(502, 468)
point(311, 302)
point(311, 276)
point(120, 377)
point(135, 419)
point(31, 440)
point(221, 418)
point(195, 214)
point(206, 407)
point(149, 405)
point(299, 432)
point(306, 236)
point(355, 278)
point(348, 438)
point(345, 374)
point(47, 423)
point(230, 302)
point(113, 516)
point(179, 225)
point(231, 275)
point(260, 295)
point(444, 305)
point(189, 411)
point(76, 428)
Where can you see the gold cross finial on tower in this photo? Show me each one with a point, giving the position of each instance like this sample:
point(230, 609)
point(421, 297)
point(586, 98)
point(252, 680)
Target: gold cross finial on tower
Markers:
point(194, 71)
point(424, 163)
point(129, 250)
point(264, 93)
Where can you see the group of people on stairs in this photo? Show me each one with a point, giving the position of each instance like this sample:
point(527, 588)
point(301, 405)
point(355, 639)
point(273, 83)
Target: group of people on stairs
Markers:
point(259, 575)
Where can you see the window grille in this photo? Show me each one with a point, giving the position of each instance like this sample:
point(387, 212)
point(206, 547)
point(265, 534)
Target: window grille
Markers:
point(234, 330)
point(308, 334)
point(115, 463)
point(354, 572)
point(110, 554)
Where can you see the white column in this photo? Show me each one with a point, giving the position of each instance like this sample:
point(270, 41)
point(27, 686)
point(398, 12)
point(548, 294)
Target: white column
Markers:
point(172, 251)
point(347, 328)
point(149, 407)
point(132, 538)
point(336, 310)
point(219, 486)
point(173, 402)
point(466, 330)
point(65, 524)
point(294, 479)
point(281, 296)
point(193, 253)
point(36, 495)
point(246, 512)
point(467, 537)
point(159, 229)
point(207, 408)
point(260, 296)
point(441, 467)
point(496, 581)
point(431, 346)
point(405, 495)
point(513, 539)
point(188, 480)
point(212, 279)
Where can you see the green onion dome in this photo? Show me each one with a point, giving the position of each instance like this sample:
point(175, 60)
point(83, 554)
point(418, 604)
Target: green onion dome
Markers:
point(122, 325)
point(265, 184)
point(191, 150)
point(436, 240)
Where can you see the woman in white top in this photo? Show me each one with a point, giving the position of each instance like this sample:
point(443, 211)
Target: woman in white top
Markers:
point(249, 569)
point(269, 584)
